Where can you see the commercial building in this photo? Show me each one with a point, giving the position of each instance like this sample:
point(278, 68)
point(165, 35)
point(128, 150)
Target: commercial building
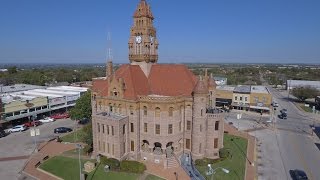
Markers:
point(21, 105)
point(253, 98)
point(154, 112)
point(302, 83)
point(18, 88)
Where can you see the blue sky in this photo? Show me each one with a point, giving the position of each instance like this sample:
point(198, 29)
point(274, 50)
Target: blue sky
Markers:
point(232, 31)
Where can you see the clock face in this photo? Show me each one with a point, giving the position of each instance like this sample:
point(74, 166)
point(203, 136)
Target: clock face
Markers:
point(138, 39)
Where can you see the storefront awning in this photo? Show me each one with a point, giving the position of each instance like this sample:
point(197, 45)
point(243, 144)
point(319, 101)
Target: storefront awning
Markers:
point(260, 107)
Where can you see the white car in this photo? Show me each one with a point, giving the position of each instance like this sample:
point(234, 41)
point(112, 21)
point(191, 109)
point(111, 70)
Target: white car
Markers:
point(46, 120)
point(18, 128)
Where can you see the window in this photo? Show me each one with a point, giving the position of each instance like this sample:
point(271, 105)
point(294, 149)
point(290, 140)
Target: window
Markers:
point(98, 127)
point(201, 113)
point(103, 128)
point(124, 129)
point(132, 145)
point(188, 143)
point(157, 112)
point(180, 110)
point(188, 125)
point(110, 107)
point(170, 130)
point(157, 128)
point(100, 105)
point(108, 148)
point(131, 110)
point(216, 125)
point(99, 145)
point(120, 109)
point(107, 129)
point(145, 127)
point(241, 98)
point(215, 143)
point(104, 146)
point(200, 148)
point(200, 128)
point(112, 130)
point(145, 110)
point(112, 149)
point(236, 98)
point(131, 127)
point(170, 111)
point(245, 98)
point(180, 126)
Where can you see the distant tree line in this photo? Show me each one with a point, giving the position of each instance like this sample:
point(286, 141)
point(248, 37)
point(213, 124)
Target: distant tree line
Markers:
point(46, 76)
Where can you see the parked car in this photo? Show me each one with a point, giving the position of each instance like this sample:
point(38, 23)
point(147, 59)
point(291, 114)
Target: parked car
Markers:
point(60, 116)
point(46, 120)
point(298, 175)
point(84, 121)
point(62, 130)
point(32, 123)
point(18, 128)
point(275, 104)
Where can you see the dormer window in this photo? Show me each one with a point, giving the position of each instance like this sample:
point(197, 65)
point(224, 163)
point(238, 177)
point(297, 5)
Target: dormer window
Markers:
point(115, 93)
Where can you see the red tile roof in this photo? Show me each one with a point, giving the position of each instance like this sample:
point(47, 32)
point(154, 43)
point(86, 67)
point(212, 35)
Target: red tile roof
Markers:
point(164, 79)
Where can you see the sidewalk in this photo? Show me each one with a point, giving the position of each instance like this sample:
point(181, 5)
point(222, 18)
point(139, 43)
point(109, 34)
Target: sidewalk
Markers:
point(46, 150)
point(167, 174)
point(250, 173)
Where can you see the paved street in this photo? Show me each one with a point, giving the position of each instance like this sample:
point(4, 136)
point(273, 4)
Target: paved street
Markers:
point(285, 146)
point(20, 145)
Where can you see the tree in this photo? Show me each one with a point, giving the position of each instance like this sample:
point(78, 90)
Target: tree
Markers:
point(303, 93)
point(12, 70)
point(82, 109)
point(86, 135)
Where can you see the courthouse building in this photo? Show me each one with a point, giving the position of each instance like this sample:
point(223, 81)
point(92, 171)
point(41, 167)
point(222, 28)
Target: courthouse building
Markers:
point(154, 112)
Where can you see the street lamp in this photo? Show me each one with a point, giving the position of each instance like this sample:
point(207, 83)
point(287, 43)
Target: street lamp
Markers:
point(80, 170)
point(211, 171)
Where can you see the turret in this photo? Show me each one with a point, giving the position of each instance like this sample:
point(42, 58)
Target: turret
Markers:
point(200, 99)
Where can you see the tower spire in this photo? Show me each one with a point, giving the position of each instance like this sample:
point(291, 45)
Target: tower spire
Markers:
point(109, 64)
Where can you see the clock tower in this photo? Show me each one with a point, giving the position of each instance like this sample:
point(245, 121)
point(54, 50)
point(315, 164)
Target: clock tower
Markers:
point(143, 43)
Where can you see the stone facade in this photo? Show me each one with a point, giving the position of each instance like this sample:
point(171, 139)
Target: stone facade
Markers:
point(157, 112)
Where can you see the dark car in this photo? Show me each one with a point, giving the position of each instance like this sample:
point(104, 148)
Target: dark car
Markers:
point(298, 175)
point(2, 133)
point(62, 130)
point(283, 111)
point(84, 121)
point(282, 116)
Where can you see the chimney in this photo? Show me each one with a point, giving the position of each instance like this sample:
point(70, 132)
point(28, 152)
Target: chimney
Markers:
point(109, 69)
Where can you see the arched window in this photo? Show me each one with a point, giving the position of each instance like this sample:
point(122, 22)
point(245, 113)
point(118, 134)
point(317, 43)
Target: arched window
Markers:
point(201, 112)
point(120, 108)
point(157, 112)
point(145, 110)
point(110, 107)
point(170, 111)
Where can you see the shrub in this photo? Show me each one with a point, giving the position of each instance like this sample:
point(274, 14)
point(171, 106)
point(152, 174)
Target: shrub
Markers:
point(88, 149)
point(103, 160)
point(223, 153)
point(132, 167)
point(114, 164)
point(206, 161)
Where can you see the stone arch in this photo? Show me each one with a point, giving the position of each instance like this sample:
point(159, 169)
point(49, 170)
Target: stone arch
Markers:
point(157, 112)
point(157, 148)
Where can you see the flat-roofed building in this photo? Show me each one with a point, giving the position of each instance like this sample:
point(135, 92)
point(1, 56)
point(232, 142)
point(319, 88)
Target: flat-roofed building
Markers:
point(18, 88)
point(260, 98)
point(291, 84)
point(241, 97)
point(224, 96)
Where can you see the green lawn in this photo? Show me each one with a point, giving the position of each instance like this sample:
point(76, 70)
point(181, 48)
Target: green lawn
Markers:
point(99, 174)
point(235, 163)
point(72, 137)
point(68, 169)
point(153, 177)
point(306, 109)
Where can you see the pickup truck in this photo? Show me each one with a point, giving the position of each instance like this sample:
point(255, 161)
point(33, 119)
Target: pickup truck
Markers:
point(32, 123)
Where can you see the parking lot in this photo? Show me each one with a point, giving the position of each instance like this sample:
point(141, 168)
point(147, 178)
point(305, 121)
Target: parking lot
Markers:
point(16, 147)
